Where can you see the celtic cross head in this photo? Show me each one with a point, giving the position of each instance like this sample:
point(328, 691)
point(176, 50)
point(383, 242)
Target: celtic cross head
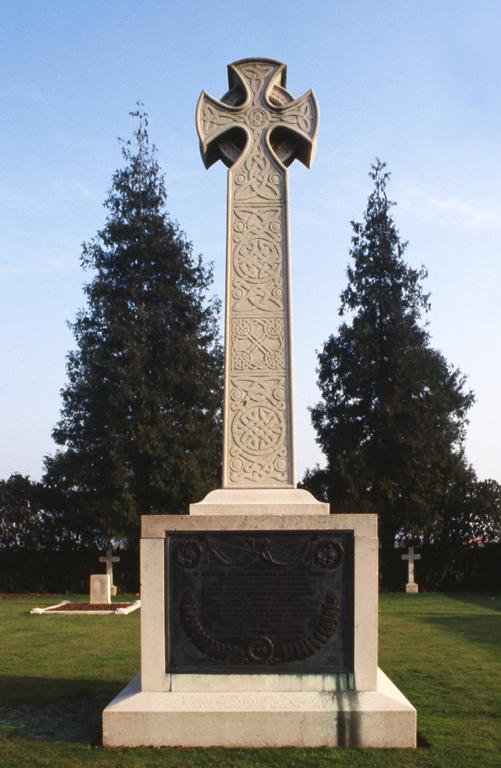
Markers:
point(257, 111)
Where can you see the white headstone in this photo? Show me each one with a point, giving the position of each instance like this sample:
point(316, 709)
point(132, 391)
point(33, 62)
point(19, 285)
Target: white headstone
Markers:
point(100, 588)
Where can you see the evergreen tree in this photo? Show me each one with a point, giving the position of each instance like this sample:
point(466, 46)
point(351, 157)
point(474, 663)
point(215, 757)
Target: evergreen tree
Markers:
point(20, 526)
point(392, 416)
point(140, 425)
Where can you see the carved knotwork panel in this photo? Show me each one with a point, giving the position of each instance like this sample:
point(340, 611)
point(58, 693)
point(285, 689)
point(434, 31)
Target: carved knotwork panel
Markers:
point(255, 74)
point(256, 264)
point(257, 344)
point(247, 298)
point(257, 179)
point(257, 243)
point(258, 440)
point(257, 427)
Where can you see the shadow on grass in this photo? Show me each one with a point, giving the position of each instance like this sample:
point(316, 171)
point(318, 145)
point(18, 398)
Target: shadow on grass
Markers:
point(55, 709)
point(482, 630)
point(489, 600)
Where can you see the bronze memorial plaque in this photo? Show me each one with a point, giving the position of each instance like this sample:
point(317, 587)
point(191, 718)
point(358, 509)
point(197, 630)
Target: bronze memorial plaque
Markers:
point(259, 601)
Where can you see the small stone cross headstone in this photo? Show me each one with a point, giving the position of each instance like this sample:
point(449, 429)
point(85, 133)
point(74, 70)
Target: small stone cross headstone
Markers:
point(411, 586)
point(109, 559)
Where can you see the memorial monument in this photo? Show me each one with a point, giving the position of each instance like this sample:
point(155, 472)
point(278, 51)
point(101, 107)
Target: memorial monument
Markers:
point(259, 608)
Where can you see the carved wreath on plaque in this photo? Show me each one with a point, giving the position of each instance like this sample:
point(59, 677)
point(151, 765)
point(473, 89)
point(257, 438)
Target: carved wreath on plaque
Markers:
point(259, 649)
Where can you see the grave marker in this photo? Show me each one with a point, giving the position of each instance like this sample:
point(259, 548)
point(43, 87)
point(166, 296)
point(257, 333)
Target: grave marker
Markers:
point(109, 559)
point(411, 587)
point(100, 588)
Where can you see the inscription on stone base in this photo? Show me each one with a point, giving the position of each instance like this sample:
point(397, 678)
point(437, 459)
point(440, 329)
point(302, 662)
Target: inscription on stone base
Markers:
point(266, 601)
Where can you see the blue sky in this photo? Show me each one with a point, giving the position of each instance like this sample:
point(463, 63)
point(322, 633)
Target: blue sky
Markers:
point(417, 83)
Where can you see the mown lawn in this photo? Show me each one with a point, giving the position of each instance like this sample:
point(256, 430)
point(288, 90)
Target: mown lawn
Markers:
point(58, 672)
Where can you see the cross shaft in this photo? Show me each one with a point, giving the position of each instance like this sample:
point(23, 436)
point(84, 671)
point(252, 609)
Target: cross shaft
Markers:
point(257, 129)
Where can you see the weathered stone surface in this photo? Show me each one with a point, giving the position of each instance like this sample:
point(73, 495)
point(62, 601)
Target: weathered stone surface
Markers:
point(156, 526)
point(259, 501)
point(379, 718)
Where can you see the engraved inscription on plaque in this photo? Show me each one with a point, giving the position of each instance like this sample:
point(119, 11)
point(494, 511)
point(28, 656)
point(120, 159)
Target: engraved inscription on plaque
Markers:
point(259, 601)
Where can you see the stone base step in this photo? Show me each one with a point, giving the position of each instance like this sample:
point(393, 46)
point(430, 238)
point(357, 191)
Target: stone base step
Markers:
point(381, 718)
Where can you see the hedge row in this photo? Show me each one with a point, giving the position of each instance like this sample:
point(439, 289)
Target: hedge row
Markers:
point(64, 571)
point(68, 570)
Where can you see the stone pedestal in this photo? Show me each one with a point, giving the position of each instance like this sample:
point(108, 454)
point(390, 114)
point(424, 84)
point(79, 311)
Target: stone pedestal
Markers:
point(379, 718)
point(358, 706)
point(412, 588)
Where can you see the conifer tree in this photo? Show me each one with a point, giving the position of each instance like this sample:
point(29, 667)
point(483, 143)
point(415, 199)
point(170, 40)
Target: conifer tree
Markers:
point(392, 416)
point(140, 426)
point(19, 514)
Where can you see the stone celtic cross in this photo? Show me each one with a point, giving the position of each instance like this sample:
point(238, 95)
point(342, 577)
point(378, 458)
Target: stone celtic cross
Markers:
point(257, 129)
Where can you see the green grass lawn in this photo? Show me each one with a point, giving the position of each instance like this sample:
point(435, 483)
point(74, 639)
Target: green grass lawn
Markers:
point(58, 672)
